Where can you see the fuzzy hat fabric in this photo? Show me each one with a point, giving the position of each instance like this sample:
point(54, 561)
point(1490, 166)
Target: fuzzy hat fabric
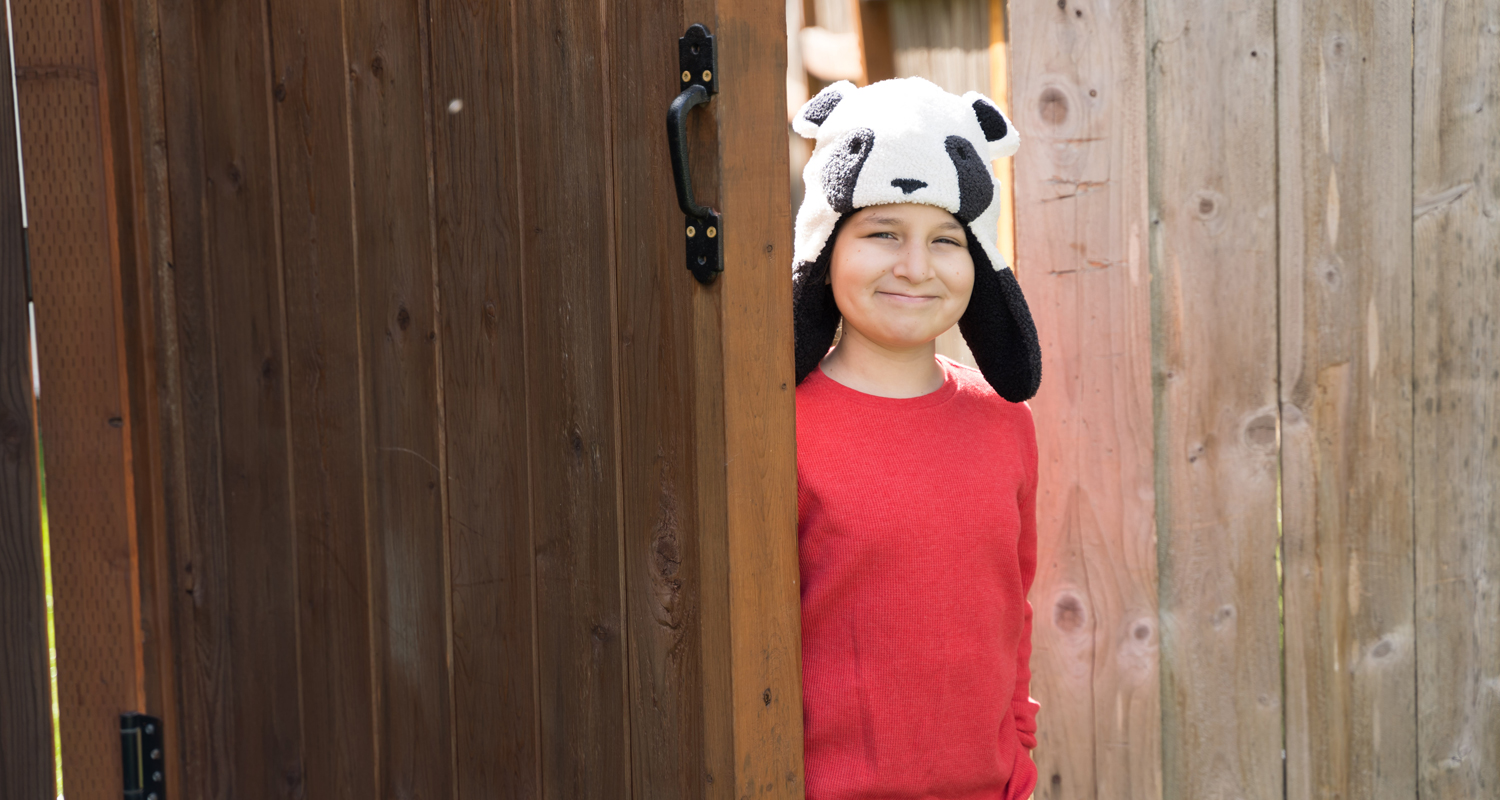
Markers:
point(909, 141)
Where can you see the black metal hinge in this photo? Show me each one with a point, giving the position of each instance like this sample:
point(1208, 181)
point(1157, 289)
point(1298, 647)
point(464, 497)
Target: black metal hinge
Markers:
point(141, 755)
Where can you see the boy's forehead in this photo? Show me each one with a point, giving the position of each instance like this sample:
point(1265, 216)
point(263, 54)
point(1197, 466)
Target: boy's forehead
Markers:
point(907, 213)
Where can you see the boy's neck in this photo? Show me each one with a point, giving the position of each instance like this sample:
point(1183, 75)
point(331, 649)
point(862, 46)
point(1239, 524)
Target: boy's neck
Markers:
point(865, 366)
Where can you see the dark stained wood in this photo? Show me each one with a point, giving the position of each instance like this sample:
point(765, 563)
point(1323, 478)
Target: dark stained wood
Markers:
point(310, 106)
point(657, 381)
point(26, 766)
point(1346, 406)
point(132, 65)
point(83, 416)
point(757, 564)
point(1456, 439)
point(1213, 276)
point(482, 286)
point(235, 559)
point(388, 132)
point(568, 255)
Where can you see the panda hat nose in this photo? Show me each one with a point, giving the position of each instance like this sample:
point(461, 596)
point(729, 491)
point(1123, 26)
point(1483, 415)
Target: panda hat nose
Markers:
point(908, 185)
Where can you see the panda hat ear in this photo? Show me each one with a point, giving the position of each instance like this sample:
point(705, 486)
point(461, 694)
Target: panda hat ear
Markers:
point(815, 111)
point(997, 129)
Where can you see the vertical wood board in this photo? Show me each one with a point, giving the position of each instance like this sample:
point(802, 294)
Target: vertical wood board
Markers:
point(656, 345)
point(1346, 413)
point(1081, 213)
point(385, 43)
point(760, 553)
point(1212, 172)
point(309, 96)
point(484, 355)
point(565, 185)
point(1456, 189)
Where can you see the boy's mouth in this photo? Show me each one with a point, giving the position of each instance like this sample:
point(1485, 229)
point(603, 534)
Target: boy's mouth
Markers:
point(907, 298)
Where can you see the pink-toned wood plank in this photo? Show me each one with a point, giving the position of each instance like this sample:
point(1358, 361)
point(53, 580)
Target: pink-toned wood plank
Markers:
point(1078, 96)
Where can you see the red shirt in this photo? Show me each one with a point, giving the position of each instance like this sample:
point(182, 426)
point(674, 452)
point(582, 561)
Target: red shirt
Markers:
point(917, 538)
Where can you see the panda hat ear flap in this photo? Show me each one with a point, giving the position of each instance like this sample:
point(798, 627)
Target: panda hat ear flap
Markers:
point(815, 314)
point(815, 111)
point(998, 328)
point(998, 131)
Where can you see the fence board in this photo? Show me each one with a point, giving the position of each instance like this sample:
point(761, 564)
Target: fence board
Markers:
point(565, 183)
point(484, 357)
point(1210, 105)
point(26, 766)
point(310, 107)
point(237, 560)
point(657, 382)
point(82, 419)
point(1345, 322)
point(1457, 347)
point(1079, 72)
point(388, 123)
point(758, 555)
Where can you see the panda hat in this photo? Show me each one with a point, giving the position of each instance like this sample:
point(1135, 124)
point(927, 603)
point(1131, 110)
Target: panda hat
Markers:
point(908, 141)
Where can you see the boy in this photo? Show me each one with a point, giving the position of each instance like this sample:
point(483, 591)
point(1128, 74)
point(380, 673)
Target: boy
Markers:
point(916, 475)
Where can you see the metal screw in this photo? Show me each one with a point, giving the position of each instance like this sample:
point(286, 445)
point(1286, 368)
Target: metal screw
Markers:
point(712, 231)
point(707, 76)
point(155, 753)
point(156, 777)
point(686, 76)
point(691, 231)
point(150, 728)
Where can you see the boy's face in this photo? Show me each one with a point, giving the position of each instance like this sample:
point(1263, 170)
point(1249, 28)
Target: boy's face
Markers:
point(901, 274)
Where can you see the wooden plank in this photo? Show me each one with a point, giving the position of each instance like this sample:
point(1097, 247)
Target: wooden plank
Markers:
point(755, 676)
point(83, 418)
point(944, 41)
point(389, 117)
point(152, 364)
point(1210, 103)
point(482, 285)
point(565, 182)
point(309, 82)
point(235, 559)
point(655, 295)
point(1346, 407)
point(1078, 97)
point(26, 764)
point(1457, 345)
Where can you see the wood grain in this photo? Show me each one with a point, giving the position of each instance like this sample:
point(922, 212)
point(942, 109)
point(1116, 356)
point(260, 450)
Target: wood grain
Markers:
point(759, 555)
point(26, 764)
point(237, 559)
point(389, 118)
point(1079, 95)
point(567, 250)
point(485, 351)
point(1346, 408)
point(83, 418)
point(1457, 346)
point(657, 385)
point(316, 206)
point(1211, 102)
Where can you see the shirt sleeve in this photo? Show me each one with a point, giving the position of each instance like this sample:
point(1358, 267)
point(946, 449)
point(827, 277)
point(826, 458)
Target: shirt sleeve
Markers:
point(1023, 706)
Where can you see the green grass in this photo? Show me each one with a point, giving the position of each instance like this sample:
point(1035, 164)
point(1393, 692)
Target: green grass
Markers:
point(51, 623)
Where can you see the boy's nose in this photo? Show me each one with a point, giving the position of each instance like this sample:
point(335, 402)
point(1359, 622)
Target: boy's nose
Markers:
point(914, 265)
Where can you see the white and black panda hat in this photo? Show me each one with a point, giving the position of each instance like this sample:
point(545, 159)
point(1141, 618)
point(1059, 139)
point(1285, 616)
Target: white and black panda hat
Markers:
point(908, 141)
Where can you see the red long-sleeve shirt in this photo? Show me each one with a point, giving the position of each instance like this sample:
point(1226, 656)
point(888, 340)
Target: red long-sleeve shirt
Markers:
point(917, 538)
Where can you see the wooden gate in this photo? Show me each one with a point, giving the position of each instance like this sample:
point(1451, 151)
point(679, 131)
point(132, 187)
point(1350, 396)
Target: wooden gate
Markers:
point(393, 451)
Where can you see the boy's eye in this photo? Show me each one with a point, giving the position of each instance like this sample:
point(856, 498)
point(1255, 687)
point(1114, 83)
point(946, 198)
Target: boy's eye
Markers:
point(883, 234)
point(951, 241)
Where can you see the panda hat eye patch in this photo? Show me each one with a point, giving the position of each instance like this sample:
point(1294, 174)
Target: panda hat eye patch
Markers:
point(909, 141)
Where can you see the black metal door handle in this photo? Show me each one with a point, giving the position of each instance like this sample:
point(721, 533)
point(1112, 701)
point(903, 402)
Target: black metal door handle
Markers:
point(699, 80)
